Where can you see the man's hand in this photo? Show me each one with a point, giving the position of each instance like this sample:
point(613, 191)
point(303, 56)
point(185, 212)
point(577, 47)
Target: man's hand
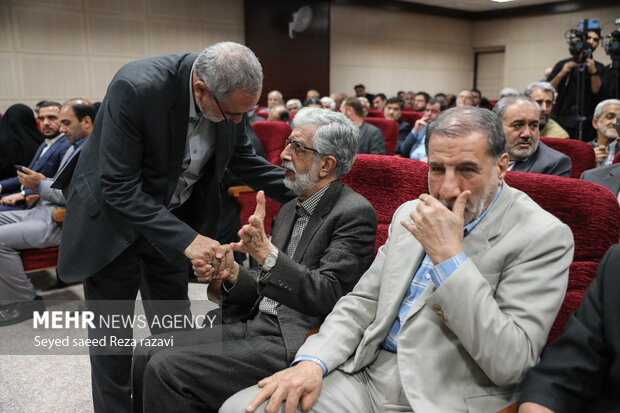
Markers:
point(302, 381)
point(420, 123)
point(223, 267)
point(12, 199)
point(601, 153)
point(529, 407)
point(30, 179)
point(591, 65)
point(568, 66)
point(439, 230)
point(253, 239)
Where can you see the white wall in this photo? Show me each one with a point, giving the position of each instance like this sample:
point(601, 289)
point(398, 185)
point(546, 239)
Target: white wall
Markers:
point(59, 49)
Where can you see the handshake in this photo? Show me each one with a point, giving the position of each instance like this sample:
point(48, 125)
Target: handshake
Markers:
point(213, 261)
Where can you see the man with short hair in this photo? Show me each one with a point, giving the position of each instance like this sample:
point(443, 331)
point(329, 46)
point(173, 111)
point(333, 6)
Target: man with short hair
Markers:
point(274, 98)
point(464, 98)
point(414, 146)
point(278, 113)
point(371, 137)
point(46, 159)
point(544, 94)
point(365, 105)
point(34, 227)
point(379, 101)
point(313, 94)
point(328, 103)
point(147, 186)
point(293, 106)
point(393, 110)
point(420, 100)
point(520, 116)
point(321, 244)
point(360, 91)
point(606, 145)
point(458, 303)
point(476, 96)
point(409, 99)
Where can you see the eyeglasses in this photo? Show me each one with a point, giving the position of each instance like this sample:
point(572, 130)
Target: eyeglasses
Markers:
point(298, 146)
point(233, 115)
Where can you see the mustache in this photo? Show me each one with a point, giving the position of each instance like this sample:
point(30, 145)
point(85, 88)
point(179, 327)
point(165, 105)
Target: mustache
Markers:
point(289, 165)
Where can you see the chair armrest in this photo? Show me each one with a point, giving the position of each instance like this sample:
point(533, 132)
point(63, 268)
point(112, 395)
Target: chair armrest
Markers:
point(234, 191)
point(58, 215)
point(31, 199)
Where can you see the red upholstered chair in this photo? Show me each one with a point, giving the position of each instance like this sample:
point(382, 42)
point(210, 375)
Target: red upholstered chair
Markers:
point(592, 213)
point(580, 153)
point(272, 136)
point(411, 117)
point(616, 158)
point(389, 128)
point(374, 113)
point(262, 111)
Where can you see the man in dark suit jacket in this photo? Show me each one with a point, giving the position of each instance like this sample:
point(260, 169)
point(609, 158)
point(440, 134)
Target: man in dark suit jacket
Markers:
point(580, 371)
point(607, 176)
point(371, 137)
point(321, 244)
point(144, 195)
point(520, 118)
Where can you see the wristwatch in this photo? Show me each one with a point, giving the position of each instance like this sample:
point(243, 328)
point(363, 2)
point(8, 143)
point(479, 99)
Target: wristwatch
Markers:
point(270, 261)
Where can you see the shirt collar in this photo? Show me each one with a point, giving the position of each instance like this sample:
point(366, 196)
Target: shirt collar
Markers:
point(469, 227)
point(310, 204)
point(51, 141)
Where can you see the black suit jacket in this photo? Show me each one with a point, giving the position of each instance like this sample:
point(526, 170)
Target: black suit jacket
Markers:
point(545, 160)
point(128, 170)
point(580, 371)
point(607, 176)
point(334, 251)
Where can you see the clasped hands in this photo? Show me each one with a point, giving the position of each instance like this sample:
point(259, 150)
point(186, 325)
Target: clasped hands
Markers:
point(212, 261)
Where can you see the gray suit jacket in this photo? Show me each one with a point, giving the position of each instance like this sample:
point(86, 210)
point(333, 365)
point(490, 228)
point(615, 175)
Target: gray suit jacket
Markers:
point(372, 140)
point(607, 176)
point(129, 168)
point(546, 161)
point(465, 345)
point(334, 251)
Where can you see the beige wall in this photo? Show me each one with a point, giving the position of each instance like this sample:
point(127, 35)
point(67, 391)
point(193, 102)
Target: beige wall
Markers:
point(59, 49)
point(390, 51)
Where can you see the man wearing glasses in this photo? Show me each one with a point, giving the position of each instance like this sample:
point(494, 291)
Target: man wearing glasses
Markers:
point(144, 196)
point(321, 244)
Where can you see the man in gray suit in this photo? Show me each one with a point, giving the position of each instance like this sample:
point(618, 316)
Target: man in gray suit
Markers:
point(458, 303)
point(144, 197)
point(607, 176)
point(322, 242)
point(371, 137)
point(520, 116)
point(34, 227)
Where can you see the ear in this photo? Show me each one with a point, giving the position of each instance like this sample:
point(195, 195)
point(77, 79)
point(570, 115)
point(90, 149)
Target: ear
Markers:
point(502, 165)
point(326, 166)
point(595, 123)
point(87, 123)
point(200, 89)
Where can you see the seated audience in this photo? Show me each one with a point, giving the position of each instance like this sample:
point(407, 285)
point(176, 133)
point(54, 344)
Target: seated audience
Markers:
point(409, 99)
point(520, 116)
point(458, 303)
point(292, 106)
point(34, 227)
point(19, 139)
point(313, 94)
point(544, 94)
point(365, 105)
point(420, 100)
point(400, 95)
point(464, 98)
point(360, 91)
point(278, 113)
point(338, 98)
point(274, 98)
point(328, 103)
point(394, 110)
point(372, 140)
point(580, 370)
point(476, 97)
point(414, 146)
point(604, 121)
point(379, 101)
point(45, 160)
point(322, 242)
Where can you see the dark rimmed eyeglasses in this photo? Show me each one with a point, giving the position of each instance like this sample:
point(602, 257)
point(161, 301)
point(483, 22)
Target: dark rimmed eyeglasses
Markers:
point(233, 115)
point(298, 147)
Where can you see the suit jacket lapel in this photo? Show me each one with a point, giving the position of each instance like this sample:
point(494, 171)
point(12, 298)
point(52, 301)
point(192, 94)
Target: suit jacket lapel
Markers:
point(284, 225)
point(612, 180)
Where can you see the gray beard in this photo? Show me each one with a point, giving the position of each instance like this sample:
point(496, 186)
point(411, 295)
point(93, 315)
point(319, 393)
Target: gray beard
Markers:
point(302, 183)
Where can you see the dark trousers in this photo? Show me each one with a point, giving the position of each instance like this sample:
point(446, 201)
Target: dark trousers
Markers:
point(139, 267)
point(206, 367)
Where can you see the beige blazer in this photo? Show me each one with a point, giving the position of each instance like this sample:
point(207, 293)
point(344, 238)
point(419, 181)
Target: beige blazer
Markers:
point(466, 345)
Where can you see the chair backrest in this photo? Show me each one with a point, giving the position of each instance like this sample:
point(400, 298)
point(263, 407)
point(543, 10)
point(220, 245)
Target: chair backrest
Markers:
point(591, 211)
point(389, 128)
point(272, 135)
point(374, 113)
point(262, 111)
point(616, 158)
point(411, 117)
point(580, 153)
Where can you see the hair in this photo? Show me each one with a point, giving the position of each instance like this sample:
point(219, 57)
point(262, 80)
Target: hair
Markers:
point(502, 105)
point(282, 113)
point(228, 66)
point(327, 99)
point(381, 95)
point(477, 91)
point(442, 103)
point(311, 101)
point(359, 85)
point(426, 95)
point(544, 86)
point(410, 92)
point(462, 120)
point(395, 100)
point(278, 93)
point(598, 111)
point(354, 103)
point(508, 91)
point(293, 102)
point(82, 108)
point(45, 104)
point(597, 31)
point(362, 99)
point(440, 95)
point(335, 135)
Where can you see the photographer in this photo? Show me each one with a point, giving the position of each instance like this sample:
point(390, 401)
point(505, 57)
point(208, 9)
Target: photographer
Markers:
point(566, 80)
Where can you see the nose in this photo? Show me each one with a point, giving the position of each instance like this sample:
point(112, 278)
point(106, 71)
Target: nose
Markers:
point(525, 132)
point(285, 155)
point(63, 128)
point(449, 187)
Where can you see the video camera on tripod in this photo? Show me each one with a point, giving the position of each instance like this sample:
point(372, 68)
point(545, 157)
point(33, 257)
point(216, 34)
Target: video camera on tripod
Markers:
point(611, 43)
point(577, 39)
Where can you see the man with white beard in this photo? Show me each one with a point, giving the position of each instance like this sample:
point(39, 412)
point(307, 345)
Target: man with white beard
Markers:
point(322, 242)
point(604, 121)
